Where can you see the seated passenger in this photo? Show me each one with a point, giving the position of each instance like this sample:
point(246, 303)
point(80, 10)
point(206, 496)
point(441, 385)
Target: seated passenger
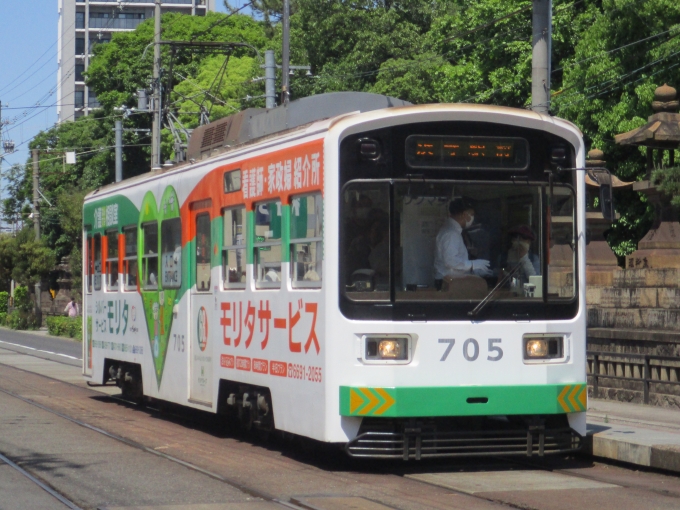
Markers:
point(451, 256)
point(520, 253)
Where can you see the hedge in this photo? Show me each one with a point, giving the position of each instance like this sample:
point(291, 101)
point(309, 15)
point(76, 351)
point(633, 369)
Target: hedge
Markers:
point(71, 327)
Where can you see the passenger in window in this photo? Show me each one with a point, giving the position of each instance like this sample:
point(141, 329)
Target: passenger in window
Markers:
point(451, 256)
point(272, 275)
point(520, 253)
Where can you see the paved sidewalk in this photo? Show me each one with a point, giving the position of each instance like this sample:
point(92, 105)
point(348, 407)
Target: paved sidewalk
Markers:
point(643, 435)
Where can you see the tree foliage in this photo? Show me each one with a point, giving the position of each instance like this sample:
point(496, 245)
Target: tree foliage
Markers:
point(24, 259)
point(608, 57)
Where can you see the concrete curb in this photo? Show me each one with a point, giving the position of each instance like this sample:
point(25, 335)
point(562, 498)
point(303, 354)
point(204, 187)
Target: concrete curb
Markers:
point(659, 449)
point(39, 332)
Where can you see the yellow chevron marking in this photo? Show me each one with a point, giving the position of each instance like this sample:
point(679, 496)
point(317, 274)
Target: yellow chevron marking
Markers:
point(573, 393)
point(389, 401)
point(583, 399)
point(561, 401)
point(373, 400)
point(355, 401)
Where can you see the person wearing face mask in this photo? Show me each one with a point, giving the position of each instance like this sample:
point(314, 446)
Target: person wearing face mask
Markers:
point(451, 256)
point(520, 253)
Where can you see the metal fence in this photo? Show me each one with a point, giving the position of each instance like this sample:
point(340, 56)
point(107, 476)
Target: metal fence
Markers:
point(645, 369)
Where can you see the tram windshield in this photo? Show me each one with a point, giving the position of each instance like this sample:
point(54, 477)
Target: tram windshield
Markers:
point(401, 243)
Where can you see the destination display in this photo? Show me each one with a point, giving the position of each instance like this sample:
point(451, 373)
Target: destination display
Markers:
point(467, 152)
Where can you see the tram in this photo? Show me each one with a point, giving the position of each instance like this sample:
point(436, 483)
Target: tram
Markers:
point(284, 274)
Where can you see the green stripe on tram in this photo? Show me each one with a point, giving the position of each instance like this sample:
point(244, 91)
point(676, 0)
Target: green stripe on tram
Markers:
point(404, 402)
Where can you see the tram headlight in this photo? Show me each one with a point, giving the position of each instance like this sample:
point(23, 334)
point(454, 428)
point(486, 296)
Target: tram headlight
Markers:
point(543, 346)
point(386, 348)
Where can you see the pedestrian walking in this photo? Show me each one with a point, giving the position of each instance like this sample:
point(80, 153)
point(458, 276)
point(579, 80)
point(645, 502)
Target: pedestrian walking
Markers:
point(72, 308)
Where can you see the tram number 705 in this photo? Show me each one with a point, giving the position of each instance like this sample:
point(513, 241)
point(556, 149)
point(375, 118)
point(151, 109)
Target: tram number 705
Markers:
point(471, 349)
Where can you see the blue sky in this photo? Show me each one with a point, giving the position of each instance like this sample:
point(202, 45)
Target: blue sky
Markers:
point(28, 71)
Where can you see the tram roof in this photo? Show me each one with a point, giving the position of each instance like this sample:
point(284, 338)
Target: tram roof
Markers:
point(254, 124)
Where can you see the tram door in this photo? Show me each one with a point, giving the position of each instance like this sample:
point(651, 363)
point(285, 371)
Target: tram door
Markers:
point(88, 303)
point(201, 301)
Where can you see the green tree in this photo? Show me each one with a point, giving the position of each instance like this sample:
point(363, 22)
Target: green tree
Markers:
point(115, 73)
point(24, 259)
point(624, 50)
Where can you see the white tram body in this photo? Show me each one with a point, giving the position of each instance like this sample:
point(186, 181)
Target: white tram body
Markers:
point(285, 275)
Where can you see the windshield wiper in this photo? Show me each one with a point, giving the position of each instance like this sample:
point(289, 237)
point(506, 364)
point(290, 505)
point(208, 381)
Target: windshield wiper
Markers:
point(488, 297)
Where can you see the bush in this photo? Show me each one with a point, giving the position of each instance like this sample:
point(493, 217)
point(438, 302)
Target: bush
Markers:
point(65, 326)
point(3, 318)
point(22, 320)
point(668, 181)
point(4, 302)
point(22, 300)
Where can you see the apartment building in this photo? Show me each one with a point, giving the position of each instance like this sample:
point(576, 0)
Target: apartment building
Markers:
point(84, 23)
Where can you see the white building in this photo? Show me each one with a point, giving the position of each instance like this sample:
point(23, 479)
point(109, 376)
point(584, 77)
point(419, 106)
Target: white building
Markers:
point(84, 23)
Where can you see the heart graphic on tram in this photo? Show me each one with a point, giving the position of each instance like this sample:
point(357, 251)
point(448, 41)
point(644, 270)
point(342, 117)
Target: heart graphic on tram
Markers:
point(160, 274)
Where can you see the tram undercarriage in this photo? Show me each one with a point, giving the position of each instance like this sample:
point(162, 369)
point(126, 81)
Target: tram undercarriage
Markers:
point(419, 438)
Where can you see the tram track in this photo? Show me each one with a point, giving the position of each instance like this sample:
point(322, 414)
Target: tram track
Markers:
point(252, 491)
point(331, 466)
point(56, 495)
point(256, 493)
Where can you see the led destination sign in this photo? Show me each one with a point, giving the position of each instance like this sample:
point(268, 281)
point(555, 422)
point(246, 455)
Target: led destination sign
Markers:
point(467, 152)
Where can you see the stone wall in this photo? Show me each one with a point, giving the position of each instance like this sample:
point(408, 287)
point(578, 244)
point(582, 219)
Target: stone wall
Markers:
point(638, 315)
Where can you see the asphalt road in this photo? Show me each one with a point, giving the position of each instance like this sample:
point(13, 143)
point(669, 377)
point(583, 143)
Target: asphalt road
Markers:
point(101, 452)
point(42, 345)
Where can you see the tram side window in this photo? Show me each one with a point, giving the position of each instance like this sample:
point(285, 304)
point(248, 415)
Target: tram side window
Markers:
point(112, 260)
point(233, 251)
point(203, 252)
point(267, 244)
point(171, 253)
point(306, 241)
point(97, 253)
point(150, 255)
point(130, 261)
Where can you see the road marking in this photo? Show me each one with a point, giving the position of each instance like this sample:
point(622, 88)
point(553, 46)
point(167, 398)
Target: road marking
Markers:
point(41, 350)
point(503, 481)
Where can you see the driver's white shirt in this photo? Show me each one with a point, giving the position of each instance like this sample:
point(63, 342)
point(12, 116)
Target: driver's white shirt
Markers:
point(450, 254)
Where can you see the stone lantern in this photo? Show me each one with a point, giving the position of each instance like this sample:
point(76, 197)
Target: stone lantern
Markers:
point(601, 261)
point(660, 248)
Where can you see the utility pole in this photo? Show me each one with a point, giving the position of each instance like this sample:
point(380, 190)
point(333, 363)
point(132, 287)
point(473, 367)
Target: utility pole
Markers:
point(119, 150)
point(541, 43)
point(36, 225)
point(285, 58)
point(270, 78)
point(156, 128)
point(36, 196)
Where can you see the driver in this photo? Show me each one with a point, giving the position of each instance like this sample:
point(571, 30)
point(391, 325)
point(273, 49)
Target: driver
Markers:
point(451, 257)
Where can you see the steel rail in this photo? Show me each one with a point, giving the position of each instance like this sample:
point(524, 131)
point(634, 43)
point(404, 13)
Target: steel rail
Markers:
point(229, 481)
point(40, 484)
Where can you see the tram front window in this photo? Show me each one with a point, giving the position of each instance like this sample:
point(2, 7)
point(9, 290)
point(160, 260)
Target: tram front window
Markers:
point(400, 242)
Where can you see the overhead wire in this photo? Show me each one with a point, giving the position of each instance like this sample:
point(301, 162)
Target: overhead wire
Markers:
point(220, 21)
point(618, 81)
point(510, 86)
point(442, 55)
point(3, 89)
